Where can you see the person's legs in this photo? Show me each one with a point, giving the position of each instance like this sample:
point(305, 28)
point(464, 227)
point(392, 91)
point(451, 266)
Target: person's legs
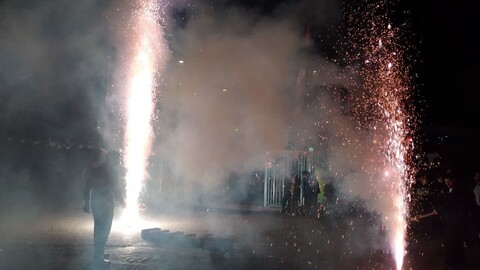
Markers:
point(286, 204)
point(308, 204)
point(102, 216)
point(454, 249)
point(294, 207)
point(313, 204)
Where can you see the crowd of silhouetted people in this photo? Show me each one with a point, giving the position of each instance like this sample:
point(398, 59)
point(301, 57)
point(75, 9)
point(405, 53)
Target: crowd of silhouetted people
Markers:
point(446, 206)
point(295, 188)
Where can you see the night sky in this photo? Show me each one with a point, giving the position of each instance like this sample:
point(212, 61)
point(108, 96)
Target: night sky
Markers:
point(448, 39)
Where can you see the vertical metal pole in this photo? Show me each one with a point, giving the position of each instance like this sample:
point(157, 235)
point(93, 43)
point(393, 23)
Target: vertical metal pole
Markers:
point(301, 179)
point(265, 187)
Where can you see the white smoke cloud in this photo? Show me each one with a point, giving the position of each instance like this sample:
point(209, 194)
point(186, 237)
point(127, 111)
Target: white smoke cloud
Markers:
point(237, 95)
point(232, 96)
point(232, 92)
point(56, 65)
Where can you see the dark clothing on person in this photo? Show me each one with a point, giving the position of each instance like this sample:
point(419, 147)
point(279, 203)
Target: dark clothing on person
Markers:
point(102, 218)
point(330, 194)
point(295, 191)
point(287, 195)
point(101, 191)
point(438, 192)
point(476, 212)
point(453, 213)
point(425, 194)
point(311, 195)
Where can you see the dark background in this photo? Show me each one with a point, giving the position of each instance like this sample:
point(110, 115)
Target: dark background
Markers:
point(447, 38)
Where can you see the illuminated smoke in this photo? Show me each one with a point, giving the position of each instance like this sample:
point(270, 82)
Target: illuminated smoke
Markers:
point(144, 37)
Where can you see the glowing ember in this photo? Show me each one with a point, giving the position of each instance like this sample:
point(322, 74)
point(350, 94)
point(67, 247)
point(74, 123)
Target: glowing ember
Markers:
point(144, 37)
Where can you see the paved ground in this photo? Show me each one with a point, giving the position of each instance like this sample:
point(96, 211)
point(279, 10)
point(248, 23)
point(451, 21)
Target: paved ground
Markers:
point(261, 239)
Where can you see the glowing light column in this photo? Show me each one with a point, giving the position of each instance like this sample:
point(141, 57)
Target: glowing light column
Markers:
point(145, 36)
point(388, 78)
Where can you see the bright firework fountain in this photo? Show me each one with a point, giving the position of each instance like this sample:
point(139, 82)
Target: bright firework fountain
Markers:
point(386, 79)
point(144, 42)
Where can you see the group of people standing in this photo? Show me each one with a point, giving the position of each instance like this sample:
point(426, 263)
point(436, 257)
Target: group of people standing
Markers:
point(293, 187)
point(452, 211)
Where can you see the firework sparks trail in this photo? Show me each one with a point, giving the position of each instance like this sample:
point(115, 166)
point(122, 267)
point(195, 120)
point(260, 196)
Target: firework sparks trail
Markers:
point(390, 86)
point(144, 38)
point(386, 79)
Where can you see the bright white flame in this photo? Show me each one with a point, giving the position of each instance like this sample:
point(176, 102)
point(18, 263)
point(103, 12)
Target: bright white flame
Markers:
point(399, 233)
point(396, 154)
point(390, 88)
point(144, 37)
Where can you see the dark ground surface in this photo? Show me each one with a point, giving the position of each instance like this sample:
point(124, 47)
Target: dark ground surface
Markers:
point(261, 239)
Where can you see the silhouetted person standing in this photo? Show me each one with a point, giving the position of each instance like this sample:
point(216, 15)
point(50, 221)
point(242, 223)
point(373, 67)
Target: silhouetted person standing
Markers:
point(311, 194)
point(287, 195)
point(476, 209)
point(453, 213)
point(295, 191)
point(101, 190)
